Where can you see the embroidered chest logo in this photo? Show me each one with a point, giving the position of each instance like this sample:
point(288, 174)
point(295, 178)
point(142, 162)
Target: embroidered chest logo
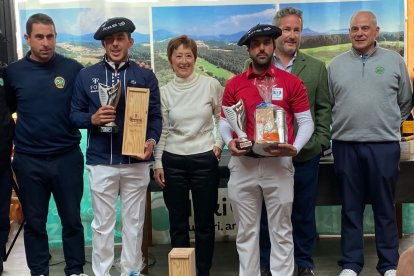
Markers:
point(1, 82)
point(94, 85)
point(379, 70)
point(59, 82)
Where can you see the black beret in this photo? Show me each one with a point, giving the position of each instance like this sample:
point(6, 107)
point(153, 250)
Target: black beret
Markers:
point(114, 25)
point(260, 30)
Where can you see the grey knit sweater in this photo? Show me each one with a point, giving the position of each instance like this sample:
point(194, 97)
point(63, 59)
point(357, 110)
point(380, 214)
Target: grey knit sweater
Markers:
point(370, 96)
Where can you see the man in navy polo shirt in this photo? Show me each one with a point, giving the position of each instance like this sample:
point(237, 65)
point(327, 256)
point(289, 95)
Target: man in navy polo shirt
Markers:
point(47, 159)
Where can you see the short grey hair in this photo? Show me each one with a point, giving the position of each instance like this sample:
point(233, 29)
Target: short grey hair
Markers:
point(373, 17)
point(287, 11)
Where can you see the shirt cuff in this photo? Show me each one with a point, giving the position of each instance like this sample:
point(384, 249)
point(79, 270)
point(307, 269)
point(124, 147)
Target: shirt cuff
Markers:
point(153, 141)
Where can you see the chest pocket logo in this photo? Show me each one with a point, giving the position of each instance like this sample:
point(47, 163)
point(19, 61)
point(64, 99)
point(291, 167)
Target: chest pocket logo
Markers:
point(379, 70)
point(59, 82)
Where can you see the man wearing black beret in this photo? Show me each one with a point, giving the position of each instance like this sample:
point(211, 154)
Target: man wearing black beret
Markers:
point(110, 172)
point(255, 177)
point(114, 25)
point(259, 30)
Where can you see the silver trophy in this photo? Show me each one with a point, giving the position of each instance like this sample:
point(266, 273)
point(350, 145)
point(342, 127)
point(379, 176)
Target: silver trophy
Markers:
point(236, 117)
point(109, 95)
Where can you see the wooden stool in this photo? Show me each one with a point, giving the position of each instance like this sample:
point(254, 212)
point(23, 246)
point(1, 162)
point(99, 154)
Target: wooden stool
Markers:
point(406, 263)
point(181, 262)
point(16, 211)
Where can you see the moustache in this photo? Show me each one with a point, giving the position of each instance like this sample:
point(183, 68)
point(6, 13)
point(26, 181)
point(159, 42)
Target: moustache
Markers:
point(262, 55)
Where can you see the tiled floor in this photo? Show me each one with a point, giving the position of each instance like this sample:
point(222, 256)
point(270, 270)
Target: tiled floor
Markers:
point(225, 261)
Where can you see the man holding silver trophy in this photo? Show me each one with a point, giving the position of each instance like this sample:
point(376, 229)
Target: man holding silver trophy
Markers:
point(312, 72)
point(267, 172)
point(98, 104)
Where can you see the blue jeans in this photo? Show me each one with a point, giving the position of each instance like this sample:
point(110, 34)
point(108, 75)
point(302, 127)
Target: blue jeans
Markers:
point(303, 216)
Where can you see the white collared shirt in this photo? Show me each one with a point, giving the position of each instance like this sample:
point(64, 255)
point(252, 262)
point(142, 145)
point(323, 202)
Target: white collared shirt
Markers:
point(279, 64)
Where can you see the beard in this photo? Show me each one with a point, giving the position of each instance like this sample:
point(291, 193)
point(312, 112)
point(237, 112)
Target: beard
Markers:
point(261, 63)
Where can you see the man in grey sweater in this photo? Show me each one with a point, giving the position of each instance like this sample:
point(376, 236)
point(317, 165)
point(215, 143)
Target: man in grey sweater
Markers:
point(371, 95)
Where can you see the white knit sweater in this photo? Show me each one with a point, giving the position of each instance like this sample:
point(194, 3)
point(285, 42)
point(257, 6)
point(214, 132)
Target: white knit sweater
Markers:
point(190, 113)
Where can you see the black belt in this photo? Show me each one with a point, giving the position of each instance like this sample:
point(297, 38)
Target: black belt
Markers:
point(254, 155)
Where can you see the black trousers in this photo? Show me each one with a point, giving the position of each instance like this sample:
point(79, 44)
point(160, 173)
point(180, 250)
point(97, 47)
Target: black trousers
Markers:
point(5, 195)
point(199, 174)
point(38, 178)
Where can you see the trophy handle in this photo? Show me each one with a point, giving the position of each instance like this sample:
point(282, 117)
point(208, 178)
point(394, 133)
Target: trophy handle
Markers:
point(117, 88)
point(235, 115)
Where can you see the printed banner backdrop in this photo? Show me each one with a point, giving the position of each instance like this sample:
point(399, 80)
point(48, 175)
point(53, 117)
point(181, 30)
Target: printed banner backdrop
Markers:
point(325, 35)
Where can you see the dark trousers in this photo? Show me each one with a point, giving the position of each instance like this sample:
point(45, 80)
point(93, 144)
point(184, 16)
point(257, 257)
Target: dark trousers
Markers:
point(367, 172)
point(38, 177)
point(303, 216)
point(5, 195)
point(197, 173)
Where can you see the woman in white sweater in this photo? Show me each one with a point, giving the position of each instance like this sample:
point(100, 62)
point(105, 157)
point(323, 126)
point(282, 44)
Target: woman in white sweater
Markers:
point(187, 155)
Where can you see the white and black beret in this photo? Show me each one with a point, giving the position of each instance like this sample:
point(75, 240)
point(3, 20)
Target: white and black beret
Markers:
point(260, 30)
point(114, 25)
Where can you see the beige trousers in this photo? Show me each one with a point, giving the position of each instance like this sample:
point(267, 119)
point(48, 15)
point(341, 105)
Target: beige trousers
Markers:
point(251, 180)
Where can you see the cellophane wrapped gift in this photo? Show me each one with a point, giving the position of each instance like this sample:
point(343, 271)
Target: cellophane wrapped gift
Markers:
point(270, 119)
point(267, 128)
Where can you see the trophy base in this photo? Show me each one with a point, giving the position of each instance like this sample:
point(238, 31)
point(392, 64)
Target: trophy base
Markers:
point(258, 148)
point(108, 129)
point(244, 145)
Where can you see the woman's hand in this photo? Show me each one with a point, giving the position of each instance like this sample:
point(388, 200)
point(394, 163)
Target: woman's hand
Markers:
point(217, 152)
point(159, 177)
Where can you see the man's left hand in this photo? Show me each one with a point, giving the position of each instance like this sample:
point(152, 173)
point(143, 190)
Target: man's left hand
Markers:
point(148, 149)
